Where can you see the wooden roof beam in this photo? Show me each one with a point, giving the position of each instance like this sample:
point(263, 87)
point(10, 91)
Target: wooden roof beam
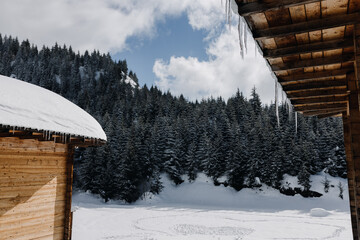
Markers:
point(319, 100)
point(336, 114)
point(313, 25)
point(320, 107)
point(316, 93)
point(31, 137)
point(308, 48)
point(314, 75)
point(15, 133)
point(323, 112)
point(246, 9)
point(315, 85)
point(313, 62)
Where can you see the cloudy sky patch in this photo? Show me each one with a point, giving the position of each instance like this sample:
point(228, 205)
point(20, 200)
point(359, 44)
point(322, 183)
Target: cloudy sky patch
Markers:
point(210, 65)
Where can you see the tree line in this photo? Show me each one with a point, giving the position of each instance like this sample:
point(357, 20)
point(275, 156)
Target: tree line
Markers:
point(152, 132)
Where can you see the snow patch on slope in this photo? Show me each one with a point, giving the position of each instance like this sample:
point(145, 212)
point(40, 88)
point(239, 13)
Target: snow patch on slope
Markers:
point(129, 80)
point(98, 74)
point(82, 72)
point(58, 79)
point(202, 192)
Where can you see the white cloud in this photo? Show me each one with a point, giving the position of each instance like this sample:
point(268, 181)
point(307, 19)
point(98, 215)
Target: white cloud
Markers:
point(97, 24)
point(220, 75)
point(107, 25)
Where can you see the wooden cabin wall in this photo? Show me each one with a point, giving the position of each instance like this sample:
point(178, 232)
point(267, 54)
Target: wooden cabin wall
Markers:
point(33, 189)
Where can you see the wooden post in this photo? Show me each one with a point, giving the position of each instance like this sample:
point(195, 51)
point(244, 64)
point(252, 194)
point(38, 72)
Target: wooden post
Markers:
point(69, 182)
point(352, 137)
point(350, 175)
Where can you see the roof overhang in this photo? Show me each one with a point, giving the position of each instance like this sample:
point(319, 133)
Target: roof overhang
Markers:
point(309, 46)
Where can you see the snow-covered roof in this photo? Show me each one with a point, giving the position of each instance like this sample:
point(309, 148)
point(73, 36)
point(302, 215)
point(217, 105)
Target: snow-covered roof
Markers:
point(24, 105)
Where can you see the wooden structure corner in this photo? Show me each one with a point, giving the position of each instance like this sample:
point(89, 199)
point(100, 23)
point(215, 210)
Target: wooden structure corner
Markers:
point(37, 160)
point(36, 177)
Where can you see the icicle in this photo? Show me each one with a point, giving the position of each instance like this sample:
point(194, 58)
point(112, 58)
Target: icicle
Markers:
point(240, 30)
point(290, 109)
point(276, 103)
point(228, 12)
point(296, 122)
point(255, 47)
point(245, 37)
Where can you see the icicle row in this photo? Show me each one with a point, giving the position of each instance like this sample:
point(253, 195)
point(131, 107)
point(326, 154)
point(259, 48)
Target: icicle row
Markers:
point(242, 27)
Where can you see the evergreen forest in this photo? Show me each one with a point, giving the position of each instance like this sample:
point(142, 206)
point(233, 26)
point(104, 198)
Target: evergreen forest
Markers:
point(151, 132)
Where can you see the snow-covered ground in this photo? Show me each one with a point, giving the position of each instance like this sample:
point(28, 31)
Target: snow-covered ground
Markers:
point(200, 210)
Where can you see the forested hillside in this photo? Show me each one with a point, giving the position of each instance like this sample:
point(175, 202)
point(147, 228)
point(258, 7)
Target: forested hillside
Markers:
point(150, 132)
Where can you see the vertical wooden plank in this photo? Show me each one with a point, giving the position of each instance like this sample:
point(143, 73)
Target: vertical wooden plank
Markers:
point(68, 213)
point(357, 52)
point(352, 138)
point(350, 175)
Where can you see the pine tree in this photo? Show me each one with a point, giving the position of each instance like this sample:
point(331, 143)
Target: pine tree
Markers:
point(326, 184)
point(341, 190)
point(304, 178)
point(192, 162)
point(255, 101)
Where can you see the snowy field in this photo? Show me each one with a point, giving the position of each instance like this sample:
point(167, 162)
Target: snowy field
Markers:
point(201, 211)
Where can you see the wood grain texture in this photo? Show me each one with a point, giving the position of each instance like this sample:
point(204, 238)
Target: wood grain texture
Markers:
point(246, 9)
point(33, 189)
point(308, 48)
point(314, 25)
point(313, 62)
point(314, 75)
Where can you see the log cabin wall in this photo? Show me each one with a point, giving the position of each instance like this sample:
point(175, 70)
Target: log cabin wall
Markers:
point(35, 189)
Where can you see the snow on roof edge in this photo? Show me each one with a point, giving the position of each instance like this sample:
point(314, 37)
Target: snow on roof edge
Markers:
point(24, 105)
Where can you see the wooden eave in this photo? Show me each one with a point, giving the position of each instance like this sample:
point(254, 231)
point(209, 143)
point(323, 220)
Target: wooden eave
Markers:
point(27, 133)
point(309, 45)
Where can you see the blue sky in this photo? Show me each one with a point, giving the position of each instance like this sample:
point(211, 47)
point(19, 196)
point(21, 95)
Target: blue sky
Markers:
point(183, 46)
point(174, 37)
